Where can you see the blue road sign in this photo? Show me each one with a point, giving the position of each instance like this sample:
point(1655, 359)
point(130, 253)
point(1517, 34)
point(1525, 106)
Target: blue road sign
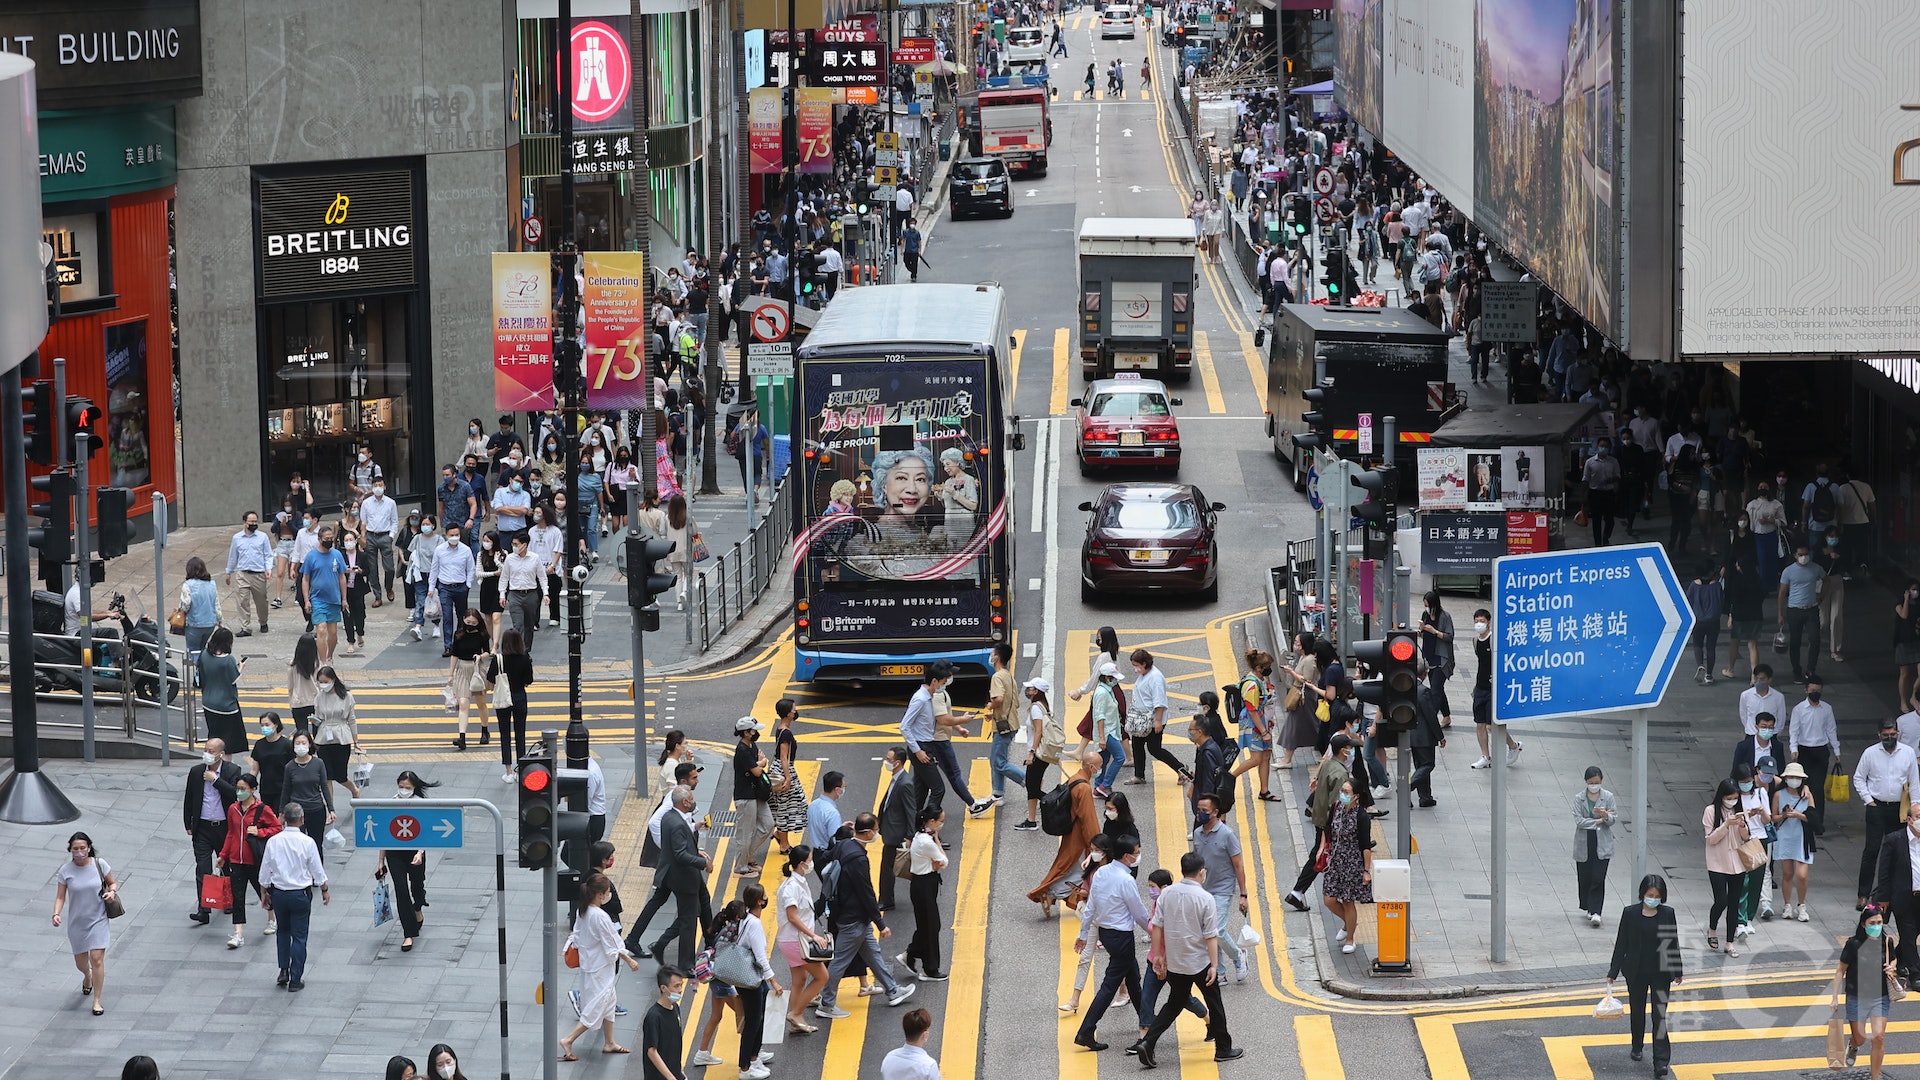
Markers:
point(427, 827)
point(1589, 631)
point(1313, 484)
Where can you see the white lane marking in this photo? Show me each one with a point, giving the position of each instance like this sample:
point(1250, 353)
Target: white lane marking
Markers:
point(1039, 471)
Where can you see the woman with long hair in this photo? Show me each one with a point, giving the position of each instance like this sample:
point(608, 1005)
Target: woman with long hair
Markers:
point(797, 929)
point(353, 614)
point(300, 689)
point(466, 673)
point(219, 690)
point(408, 867)
point(1300, 726)
point(336, 730)
point(926, 859)
point(516, 667)
point(1046, 741)
point(789, 799)
point(621, 475)
point(1867, 973)
point(488, 570)
point(1257, 717)
point(600, 950)
point(1349, 878)
point(82, 888)
point(673, 751)
point(1726, 830)
point(419, 563)
point(443, 1063)
point(200, 602)
point(549, 541)
point(1106, 650)
point(680, 530)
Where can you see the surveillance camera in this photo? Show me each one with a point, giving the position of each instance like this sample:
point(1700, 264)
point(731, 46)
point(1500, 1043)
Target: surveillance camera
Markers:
point(580, 572)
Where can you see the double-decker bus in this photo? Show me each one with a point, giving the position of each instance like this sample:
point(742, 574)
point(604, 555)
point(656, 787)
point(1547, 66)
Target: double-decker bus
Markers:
point(903, 545)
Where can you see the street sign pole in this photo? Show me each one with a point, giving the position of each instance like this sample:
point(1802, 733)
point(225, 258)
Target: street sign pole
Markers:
point(499, 890)
point(1641, 765)
point(1498, 928)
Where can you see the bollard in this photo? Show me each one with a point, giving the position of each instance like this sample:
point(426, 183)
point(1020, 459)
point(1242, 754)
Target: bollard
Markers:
point(1392, 897)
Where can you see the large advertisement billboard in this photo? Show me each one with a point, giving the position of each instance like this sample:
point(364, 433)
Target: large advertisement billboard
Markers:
point(1428, 95)
point(1800, 178)
point(1359, 33)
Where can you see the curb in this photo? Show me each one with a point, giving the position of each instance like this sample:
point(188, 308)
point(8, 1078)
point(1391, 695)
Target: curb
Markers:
point(764, 614)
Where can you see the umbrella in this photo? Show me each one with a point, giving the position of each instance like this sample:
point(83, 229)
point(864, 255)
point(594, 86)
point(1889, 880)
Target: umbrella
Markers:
point(937, 67)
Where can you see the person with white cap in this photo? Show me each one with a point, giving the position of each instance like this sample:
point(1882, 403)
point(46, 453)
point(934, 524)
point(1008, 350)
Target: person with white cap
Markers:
point(1108, 714)
point(1046, 740)
point(752, 795)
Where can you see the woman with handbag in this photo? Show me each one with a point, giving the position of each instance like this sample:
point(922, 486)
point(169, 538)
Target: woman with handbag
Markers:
point(685, 534)
point(1867, 972)
point(1348, 880)
point(200, 603)
point(85, 896)
point(925, 860)
point(250, 821)
point(1726, 831)
point(1756, 802)
point(467, 674)
point(800, 941)
point(359, 582)
point(336, 729)
point(419, 564)
point(740, 960)
point(595, 947)
point(408, 867)
point(1046, 741)
point(1106, 650)
point(512, 674)
point(219, 689)
point(300, 687)
point(1647, 952)
point(1301, 727)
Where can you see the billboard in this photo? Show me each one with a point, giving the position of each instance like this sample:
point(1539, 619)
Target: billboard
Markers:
point(1428, 92)
point(613, 301)
point(522, 330)
point(1359, 26)
point(1801, 179)
point(1545, 121)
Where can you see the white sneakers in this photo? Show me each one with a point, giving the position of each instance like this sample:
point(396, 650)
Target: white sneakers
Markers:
point(1240, 968)
point(701, 1057)
point(899, 997)
point(1593, 917)
point(417, 636)
point(235, 941)
point(1800, 913)
point(1513, 752)
point(1483, 763)
point(1347, 948)
point(271, 927)
point(1340, 934)
point(757, 1072)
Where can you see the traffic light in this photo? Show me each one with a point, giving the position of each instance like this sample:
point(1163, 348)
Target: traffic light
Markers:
point(571, 831)
point(1379, 483)
point(1394, 660)
point(645, 580)
point(54, 539)
point(110, 511)
point(82, 415)
point(1336, 276)
point(1318, 418)
point(539, 806)
point(36, 401)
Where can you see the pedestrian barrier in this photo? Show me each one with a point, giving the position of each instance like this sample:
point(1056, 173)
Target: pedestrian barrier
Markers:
point(740, 575)
point(147, 711)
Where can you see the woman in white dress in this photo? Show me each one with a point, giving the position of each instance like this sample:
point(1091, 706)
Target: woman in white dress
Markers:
point(598, 942)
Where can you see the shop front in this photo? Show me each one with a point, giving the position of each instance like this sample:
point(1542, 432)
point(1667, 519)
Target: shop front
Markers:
point(344, 347)
point(1885, 428)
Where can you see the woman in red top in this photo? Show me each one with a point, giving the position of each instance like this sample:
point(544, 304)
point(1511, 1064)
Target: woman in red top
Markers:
point(249, 822)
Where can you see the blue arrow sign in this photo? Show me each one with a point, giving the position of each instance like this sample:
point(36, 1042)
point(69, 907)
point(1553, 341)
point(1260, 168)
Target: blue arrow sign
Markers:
point(1589, 631)
point(426, 827)
point(1313, 485)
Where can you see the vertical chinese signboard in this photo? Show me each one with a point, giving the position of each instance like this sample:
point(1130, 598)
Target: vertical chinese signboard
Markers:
point(615, 305)
point(815, 111)
point(522, 331)
point(763, 129)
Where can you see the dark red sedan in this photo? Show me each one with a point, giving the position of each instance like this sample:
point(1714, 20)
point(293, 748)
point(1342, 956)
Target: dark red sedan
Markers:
point(1150, 538)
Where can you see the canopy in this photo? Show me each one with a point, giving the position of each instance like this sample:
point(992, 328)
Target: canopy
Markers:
point(1315, 88)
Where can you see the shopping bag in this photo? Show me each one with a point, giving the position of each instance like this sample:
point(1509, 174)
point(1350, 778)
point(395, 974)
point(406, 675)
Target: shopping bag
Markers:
point(362, 768)
point(1780, 640)
point(1836, 1041)
point(433, 603)
point(449, 699)
point(216, 892)
point(1249, 937)
point(1839, 786)
point(1610, 1008)
point(700, 551)
point(773, 1025)
point(334, 840)
point(382, 903)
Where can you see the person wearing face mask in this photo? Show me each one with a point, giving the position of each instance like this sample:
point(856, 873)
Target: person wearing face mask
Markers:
point(1349, 876)
point(1762, 746)
point(336, 728)
point(1060, 881)
point(323, 587)
point(476, 442)
point(1830, 556)
point(250, 554)
point(1756, 786)
point(1866, 971)
point(1185, 946)
point(1601, 474)
point(899, 811)
point(1898, 890)
point(1112, 915)
point(458, 504)
point(589, 497)
point(548, 542)
point(661, 1037)
point(1801, 585)
point(488, 571)
point(1906, 642)
point(353, 616)
point(219, 689)
point(512, 506)
point(856, 922)
point(305, 542)
point(1766, 516)
point(284, 532)
point(271, 753)
point(797, 935)
point(1150, 982)
point(925, 860)
point(209, 791)
point(1483, 693)
point(752, 795)
point(250, 821)
point(409, 868)
point(305, 784)
point(82, 887)
point(1647, 952)
point(1226, 882)
point(1726, 830)
point(1706, 596)
point(1793, 843)
point(1594, 812)
point(1885, 770)
point(467, 666)
point(1323, 795)
point(1759, 698)
point(1743, 596)
point(443, 1063)
point(380, 517)
point(1814, 744)
point(452, 576)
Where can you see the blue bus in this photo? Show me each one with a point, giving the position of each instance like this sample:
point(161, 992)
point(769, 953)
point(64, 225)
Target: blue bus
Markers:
point(903, 527)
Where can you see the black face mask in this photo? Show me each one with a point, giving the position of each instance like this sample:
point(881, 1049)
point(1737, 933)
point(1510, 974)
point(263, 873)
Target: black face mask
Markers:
point(252, 525)
point(1890, 742)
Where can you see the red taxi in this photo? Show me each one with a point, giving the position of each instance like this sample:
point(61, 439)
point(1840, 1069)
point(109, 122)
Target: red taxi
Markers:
point(1127, 420)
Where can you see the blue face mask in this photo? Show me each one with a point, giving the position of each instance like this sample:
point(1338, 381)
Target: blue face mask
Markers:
point(1744, 788)
point(1650, 901)
point(1874, 930)
point(1346, 798)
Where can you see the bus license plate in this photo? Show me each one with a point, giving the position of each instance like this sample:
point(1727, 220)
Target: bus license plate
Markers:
point(1131, 438)
point(903, 669)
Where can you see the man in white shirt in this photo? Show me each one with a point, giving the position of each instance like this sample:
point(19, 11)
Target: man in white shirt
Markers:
point(1909, 726)
point(524, 584)
point(596, 801)
point(912, 1062)
point(1760, 697)
point(1813, 740)
point(1113, 913)
point(305, 542)
point(290, 867)
point(1884, 769)
point(380, 517)
point(1186, 948)
point(830, 266)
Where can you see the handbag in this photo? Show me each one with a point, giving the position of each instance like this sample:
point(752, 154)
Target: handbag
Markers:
point(703, 965)
point(733, 963)
point(1580, 518)
point(1085, 728)
point(382, 903)
point(114, 907)
point(177, 622)
point(572, 956)
point(699, 548)
point(1753, 854)
point(816, 952)
point(502, 693)
point(477, 682)
point(1323, 711)
point(216, 892)
point(1780, 640)
point(1323, 858)
point(1839, 786)
point(903, 862)
point(1294, 699)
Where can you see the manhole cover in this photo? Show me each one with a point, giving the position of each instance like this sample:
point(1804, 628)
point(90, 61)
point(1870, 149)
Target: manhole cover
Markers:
point(1845, 1074)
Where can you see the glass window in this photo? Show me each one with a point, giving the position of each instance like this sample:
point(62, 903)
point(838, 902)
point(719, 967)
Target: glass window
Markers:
point(338, 377)
point(80, 255)
point(1171, 515)
point(1130, 403)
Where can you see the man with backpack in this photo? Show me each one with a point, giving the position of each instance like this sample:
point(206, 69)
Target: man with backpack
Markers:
point(846, 893)
point(1821, 500)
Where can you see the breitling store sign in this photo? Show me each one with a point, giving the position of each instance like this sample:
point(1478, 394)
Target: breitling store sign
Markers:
point(336, 233)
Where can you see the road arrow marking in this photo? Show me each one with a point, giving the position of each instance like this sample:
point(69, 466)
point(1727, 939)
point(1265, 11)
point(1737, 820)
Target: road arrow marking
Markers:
point(1136, 189)
point(1126, 133)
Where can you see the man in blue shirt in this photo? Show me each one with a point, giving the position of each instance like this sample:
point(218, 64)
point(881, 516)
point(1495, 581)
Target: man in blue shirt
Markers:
point(1800, 585)
point(458, 506)
point(512, 507)
point(324, 574)
point(823, 813)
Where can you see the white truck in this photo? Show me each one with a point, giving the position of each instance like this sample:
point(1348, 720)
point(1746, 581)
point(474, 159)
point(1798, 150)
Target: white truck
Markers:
point(1136, 296)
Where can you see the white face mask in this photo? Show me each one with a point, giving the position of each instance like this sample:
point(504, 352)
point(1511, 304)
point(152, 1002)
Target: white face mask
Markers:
point(445, 1071)
point(403, 793)
point(1593, 789)
point(1479, 628)
point(1793, 783)
point(209, 758)
point(301, 749)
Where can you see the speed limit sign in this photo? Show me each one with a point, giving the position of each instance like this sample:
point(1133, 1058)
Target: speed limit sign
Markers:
point(1323, 181)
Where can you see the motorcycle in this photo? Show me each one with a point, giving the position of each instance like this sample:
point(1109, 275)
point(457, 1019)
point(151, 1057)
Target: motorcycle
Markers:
point(130, 652)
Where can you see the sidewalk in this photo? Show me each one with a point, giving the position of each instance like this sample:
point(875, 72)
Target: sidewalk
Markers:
point(1692, 737)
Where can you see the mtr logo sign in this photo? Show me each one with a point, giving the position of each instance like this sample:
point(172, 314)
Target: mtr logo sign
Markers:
point(602, 73)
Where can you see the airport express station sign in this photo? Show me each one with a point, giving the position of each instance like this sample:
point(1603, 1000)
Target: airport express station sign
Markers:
point(1590, 631)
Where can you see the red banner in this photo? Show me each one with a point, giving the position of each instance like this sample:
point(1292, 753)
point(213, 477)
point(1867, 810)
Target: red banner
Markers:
point(816, 129)
point(1526, 531)
point(614, 301)
point(522, 331)
point(914, 51)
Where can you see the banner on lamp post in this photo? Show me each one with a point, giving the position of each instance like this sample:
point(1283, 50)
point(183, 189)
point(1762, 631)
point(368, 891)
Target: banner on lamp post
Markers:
point(763, 130)
point(815, 108)
point(522, 331)
point(614, 301)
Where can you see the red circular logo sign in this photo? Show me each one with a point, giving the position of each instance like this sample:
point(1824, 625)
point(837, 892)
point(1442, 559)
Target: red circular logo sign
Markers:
point(602, 71)
point(404, 827)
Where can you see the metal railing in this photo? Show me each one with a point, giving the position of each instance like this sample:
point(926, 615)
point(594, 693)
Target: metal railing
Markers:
point(163, 705)
point(723, 591)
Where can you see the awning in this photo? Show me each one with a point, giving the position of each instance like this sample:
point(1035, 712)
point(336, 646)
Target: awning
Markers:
point(1315, 88)
point(937, 67)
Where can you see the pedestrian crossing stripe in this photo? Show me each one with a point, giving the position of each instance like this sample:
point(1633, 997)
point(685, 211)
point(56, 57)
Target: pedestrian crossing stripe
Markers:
point(1568, 1053)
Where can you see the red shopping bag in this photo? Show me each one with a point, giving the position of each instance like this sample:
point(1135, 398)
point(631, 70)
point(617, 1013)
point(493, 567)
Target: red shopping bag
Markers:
point(216, 892)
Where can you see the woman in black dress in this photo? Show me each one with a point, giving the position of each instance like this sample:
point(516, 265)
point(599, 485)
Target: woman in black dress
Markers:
point(271, 752)
point(514, 665)
point(488, 571)
point(1647, 952)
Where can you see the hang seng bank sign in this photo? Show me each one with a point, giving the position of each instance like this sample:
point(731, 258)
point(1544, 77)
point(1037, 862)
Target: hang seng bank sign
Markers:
point(336, 233)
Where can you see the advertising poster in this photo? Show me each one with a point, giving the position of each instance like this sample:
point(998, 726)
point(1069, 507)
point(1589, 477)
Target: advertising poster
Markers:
point(1483, 480)
point(1427, 92)
point(814, 106)
point(896, 491)
point(614, 304)
point(1527, 532)
point(522, 330)
point(1522, 485)
point(1358, 26)
point(129, 450)
point(1544, 160)
point(1443, 478)
point(1461, 543)
point(763, 129)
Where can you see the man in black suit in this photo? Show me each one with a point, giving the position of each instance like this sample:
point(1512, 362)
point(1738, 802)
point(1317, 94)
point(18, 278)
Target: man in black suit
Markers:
point(1209, 775)
point(1426, 736)
point(1762, 746)
point(209, 792)
point(1897, 890)
point(683, 870)
point(897, 809)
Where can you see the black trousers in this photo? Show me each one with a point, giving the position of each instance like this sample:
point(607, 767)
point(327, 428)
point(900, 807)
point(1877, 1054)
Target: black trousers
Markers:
point(409, 888)
point(886, 893)
point(1908, 953)
point(1036, 778)
point(1882, 818)
point(208, 838)
point(355, 615)
point(754, 1015)
point(1639, 996)
point(1818, 761)
point(929, 782)
point(1592, 876)
point(924, 891)
point(1422, 781)
point(242, 875)
point(1123, 968)
point(688, 906)
point(1307, 873)
point(1143, 745)
point(1179, 987)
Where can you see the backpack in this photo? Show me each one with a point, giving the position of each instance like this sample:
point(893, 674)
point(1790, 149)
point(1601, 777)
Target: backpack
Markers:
point(829, 886)
point(1233, 703)
point(1056, 810)
point(1823, 503)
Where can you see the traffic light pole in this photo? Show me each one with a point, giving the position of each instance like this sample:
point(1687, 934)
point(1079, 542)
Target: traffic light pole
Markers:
point(550, 942)
point(83, 573)
point(27, 796)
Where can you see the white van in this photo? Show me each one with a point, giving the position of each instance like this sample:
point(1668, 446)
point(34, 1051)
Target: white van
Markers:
point(1116, 21)
point(1026, 44)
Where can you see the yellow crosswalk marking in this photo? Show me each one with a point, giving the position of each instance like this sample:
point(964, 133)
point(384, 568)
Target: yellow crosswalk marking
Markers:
point(1063, 363)
point(1013, 378)
point(1209, 378)
point(1319, 1054)
point(1170, 842)
point(1077, 94)
point(1075, 1063)
point(967, 963)
point(1256, 369)
point(715, 874)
